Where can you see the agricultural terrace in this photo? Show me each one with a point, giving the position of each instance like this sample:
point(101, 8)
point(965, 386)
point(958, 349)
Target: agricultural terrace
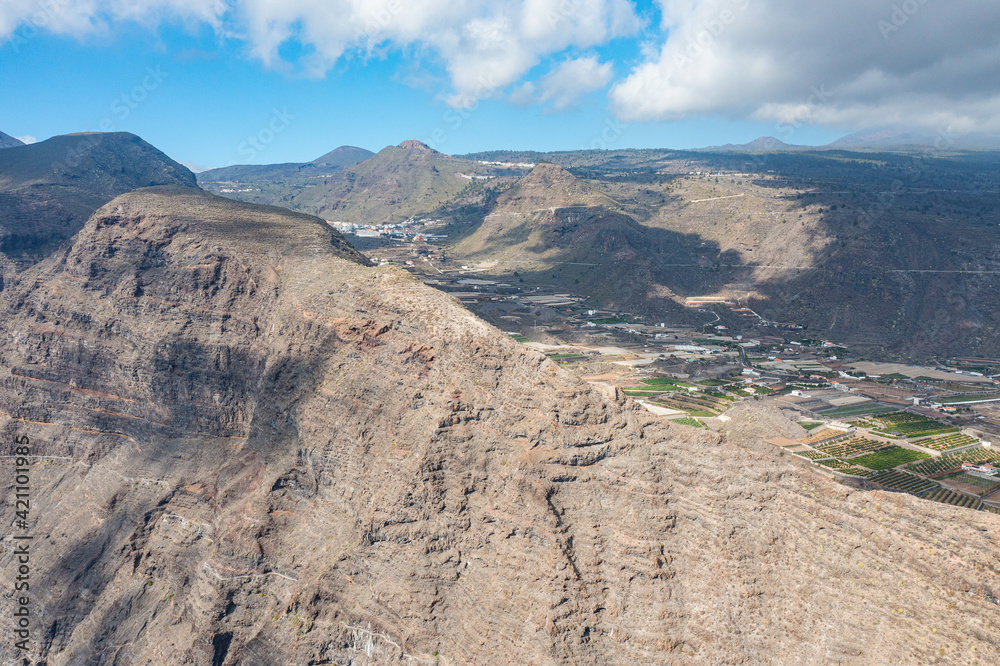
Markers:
point(946, 496)
point(945, 443)
point(694, 423)
point(852, 447)
point(953, 461)
point(857, 471)
point(855, 410)
point(889, 458)
point(975, 481)
point(812, 455)
point(907, 424)
point(908, 483)
point(695, 404)
point(824, 435)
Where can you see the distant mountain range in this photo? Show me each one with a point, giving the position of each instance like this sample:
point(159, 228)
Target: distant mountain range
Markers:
point(7, 141)
point(641, 230)
point(762, 144)
point(397, 183)
point(883, 139)
point(391, 186)
point(335, 160)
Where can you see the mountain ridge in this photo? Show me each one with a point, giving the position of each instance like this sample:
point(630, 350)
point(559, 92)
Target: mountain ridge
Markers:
point(338, 158)
point(760, 144)
point(397, 183)
point(49, 189)
point(8, 141)
point(236, 485)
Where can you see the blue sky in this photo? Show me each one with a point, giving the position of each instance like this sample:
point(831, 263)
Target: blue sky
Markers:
point(199, 78)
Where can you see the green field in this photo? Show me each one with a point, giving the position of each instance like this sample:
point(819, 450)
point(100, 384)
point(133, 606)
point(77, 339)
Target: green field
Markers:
point(954, 461)
point(810, 425)
point(902, 481)
point(813, 455)
point(664, 381)
point(946, 443)
point(856, 410)
point(974, 480)
point(715, 382)
point(857, 471)
point(909, 425)
point(889, 458)
point(694, 423)
point(946, 496)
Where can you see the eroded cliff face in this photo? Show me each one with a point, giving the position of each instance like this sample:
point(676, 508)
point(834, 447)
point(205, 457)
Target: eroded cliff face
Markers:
point(256, 449)
point(49, 189)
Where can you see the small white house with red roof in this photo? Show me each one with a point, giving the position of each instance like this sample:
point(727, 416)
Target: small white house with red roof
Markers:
point(984, 469)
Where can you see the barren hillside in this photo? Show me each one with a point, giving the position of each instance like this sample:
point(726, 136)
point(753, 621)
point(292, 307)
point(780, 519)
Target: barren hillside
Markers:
point(397, 183)
point(254, 449)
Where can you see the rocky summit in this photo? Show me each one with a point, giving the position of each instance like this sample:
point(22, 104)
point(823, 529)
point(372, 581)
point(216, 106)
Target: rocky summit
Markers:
point(261, 450)
point(49, 189)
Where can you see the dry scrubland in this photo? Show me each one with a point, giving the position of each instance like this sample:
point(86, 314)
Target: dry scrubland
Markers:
point(289, 457)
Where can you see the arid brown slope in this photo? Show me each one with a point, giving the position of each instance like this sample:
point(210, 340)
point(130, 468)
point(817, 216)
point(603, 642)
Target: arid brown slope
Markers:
point(50, 188)
point(256, 451)
point(397, 183)
point(551, 225)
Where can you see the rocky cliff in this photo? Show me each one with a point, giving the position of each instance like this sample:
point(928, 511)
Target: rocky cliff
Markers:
point(255, 449)
point(49, 189)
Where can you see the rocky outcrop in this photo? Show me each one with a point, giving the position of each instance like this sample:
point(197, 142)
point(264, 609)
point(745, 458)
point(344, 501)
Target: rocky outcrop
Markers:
point(255, 449)
point(49, 189)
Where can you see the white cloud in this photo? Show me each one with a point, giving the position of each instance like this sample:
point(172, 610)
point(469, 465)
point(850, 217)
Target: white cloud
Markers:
point(27, 139)
point(193, 166)
point(484, 45)
point(851, 62)
point(20, 19)
point(565, 85)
